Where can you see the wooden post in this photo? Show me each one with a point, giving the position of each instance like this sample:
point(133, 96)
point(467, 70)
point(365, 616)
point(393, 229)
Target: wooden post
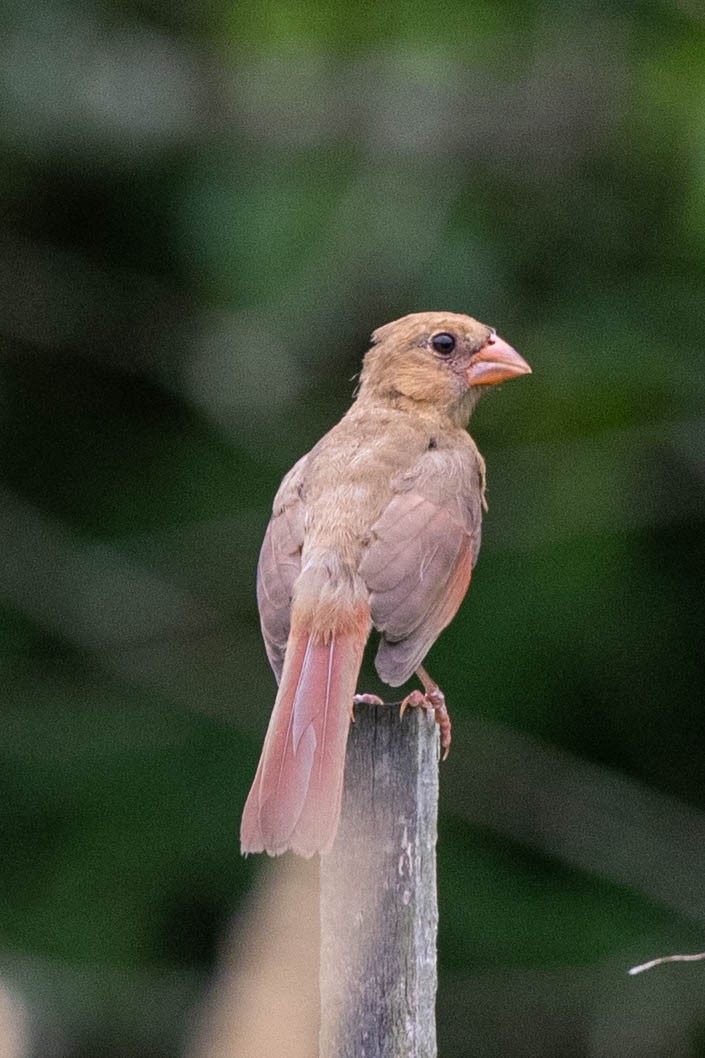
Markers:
point(379, 911)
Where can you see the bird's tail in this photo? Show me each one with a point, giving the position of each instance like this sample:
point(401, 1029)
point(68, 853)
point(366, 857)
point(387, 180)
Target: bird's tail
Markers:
point(295, 798)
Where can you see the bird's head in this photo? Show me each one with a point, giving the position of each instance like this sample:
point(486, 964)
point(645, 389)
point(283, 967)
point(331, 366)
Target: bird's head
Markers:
point(442, 359)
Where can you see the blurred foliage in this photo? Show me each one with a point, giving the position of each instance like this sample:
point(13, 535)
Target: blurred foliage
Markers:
point(206, 210)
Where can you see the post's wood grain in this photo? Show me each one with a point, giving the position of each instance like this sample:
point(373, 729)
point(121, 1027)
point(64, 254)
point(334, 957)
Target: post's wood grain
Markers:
point(379, 910)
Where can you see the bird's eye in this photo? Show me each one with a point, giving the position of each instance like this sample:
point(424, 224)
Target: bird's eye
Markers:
point(443, 343)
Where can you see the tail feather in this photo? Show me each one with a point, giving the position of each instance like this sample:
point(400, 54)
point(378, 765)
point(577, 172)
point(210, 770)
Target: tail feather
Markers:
point(294, 802)
point(318, 822)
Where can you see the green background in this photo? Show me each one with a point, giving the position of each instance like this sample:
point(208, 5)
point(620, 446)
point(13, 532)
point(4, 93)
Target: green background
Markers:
point(206, 209)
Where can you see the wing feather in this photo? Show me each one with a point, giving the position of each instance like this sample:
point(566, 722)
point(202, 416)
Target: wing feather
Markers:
point(419, 562)
point(279, 566)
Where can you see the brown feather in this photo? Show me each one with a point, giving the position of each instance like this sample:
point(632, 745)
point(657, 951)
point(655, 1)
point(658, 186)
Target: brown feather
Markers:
point(279, 566)
point(397, 660)
point(418, 565)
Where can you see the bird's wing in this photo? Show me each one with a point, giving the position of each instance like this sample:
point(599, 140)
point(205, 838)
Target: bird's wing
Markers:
point(280, 564)
point(419, 561)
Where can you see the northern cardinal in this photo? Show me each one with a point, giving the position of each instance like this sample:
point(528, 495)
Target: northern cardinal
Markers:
point(377, 526)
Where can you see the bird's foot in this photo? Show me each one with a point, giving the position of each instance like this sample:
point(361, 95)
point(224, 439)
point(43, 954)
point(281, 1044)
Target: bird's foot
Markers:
point(367, 699)
point(364, 699)
point(432, 699)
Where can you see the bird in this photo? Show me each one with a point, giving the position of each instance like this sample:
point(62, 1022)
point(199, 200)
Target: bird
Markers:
point(377, 527)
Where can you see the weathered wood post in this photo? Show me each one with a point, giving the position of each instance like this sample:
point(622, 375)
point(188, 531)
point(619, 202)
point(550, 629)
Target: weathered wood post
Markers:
point(379, 910)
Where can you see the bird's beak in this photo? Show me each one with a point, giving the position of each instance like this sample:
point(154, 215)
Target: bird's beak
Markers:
point(495, 362)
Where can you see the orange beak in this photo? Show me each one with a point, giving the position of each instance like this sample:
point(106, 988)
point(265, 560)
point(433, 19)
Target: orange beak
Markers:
point(495, 362)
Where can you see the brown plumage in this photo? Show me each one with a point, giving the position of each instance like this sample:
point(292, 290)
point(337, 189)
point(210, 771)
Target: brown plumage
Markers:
point(377, 526)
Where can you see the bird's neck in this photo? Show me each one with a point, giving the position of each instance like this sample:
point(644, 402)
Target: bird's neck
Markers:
point(446, 416)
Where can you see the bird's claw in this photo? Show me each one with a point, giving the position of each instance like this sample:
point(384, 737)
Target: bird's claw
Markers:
point(367, 699)
point(434, 701)
point(364, 699)
point(415, 700)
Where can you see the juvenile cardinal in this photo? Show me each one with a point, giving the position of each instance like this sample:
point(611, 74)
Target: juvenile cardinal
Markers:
point(377, 526)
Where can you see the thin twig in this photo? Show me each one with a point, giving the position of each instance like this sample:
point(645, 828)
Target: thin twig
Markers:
point(666, 958)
